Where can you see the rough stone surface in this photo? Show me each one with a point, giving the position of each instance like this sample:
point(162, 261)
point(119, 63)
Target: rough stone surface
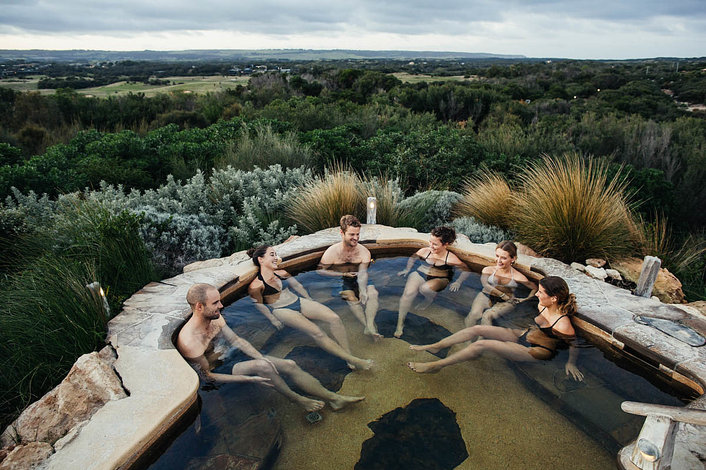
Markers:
point(614, 274)
point(596, 273)
point(667, 287)
point(90, 384)
point(27, 456)
point(595, 262)
point(699, 306)
point(578, 267)
point(525, 250)
point(423, 434)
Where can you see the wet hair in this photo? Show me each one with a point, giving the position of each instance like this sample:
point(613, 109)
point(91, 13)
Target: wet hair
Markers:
point(258, 252)
point(349, 221)
point(555, 286)
point(198, 293)
point(508, 246)
point(447, 235)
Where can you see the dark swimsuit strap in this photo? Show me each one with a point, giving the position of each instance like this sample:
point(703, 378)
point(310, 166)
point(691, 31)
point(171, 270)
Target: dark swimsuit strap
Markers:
point(446, 260)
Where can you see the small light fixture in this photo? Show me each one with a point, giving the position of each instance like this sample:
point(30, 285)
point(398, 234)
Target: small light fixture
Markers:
point(372, 206)
point(648, 451)
point(97, 291)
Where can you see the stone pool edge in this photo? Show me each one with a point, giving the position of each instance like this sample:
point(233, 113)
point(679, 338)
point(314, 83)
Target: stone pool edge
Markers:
point(162, 387)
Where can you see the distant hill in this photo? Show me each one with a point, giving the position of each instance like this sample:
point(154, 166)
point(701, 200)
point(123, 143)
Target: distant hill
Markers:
point(82, 55)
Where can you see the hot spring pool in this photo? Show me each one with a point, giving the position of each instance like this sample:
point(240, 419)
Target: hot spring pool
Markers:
point(488, 413)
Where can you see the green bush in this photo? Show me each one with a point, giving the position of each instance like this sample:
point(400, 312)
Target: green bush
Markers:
point(427, 209)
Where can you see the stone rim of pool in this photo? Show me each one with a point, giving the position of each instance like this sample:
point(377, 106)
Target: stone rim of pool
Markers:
point(162, 387)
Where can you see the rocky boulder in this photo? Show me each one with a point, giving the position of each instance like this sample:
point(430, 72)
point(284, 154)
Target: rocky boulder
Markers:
point(667, 288)
point(90, 384)
point(27, 456)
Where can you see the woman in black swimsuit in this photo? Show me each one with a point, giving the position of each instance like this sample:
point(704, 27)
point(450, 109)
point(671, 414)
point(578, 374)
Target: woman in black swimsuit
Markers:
point(434, 274)
point(552, 330)
point(273, 298)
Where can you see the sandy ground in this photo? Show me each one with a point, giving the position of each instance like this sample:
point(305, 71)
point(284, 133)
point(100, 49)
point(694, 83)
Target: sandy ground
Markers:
point(502, 423)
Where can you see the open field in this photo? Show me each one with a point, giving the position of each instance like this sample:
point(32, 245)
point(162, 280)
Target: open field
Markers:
point(416, 78)
point(196, 84)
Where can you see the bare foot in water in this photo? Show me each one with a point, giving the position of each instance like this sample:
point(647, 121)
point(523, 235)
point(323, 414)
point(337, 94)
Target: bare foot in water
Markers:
point(423, 367)
point(424, 347)
point(361, 364)
point(373, 334)
point(309, 404)
point(342, 400)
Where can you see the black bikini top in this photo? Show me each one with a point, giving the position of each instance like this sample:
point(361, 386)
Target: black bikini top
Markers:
point(269, 290)
point(548, 330)
point(441, 266)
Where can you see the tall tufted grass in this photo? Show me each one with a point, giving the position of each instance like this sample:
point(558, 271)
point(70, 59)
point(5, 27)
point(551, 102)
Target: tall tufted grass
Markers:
point(569, 209)
point(48, 317)
point(488, 199)
point(321, 203)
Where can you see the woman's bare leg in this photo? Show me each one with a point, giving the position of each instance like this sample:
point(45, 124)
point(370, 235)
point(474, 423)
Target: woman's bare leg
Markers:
point(506, 349)
point(414, 281)
point(429, 290)
point(316, 311)
point(496, 311)
point(479, 305)
point(311, 385)
point(298, 321)
point(469, 334)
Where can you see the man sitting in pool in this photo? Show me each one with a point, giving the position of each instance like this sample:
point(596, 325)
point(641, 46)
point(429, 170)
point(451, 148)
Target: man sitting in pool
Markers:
point(206, 330)
point(349, 260)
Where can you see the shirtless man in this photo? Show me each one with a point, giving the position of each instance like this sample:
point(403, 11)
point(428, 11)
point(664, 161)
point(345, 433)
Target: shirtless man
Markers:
point(198, 343)
point(349, 261)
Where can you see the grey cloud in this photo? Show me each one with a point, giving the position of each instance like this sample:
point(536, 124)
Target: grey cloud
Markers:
point(274, 17)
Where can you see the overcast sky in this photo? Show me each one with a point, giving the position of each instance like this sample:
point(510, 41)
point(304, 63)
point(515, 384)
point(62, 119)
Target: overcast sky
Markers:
point(596, 29)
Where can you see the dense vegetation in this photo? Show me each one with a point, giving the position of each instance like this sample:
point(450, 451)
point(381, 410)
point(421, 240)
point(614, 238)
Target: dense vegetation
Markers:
point(182, 177)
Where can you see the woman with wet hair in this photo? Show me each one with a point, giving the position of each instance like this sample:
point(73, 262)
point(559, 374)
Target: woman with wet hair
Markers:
point(433, 275)
point(275, 300)
point(499, 284)
point(552, 330)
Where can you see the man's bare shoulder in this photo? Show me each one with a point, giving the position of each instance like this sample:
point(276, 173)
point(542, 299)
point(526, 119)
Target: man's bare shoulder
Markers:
point(332, 254)
point(364, 254)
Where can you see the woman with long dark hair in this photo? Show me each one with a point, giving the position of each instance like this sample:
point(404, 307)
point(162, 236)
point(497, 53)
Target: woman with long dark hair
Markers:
point(552, 330)
point(275, 300)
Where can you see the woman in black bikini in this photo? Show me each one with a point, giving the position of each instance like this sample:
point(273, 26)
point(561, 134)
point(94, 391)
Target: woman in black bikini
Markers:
point(552, 330)
point(434, 274)
point(281, 306)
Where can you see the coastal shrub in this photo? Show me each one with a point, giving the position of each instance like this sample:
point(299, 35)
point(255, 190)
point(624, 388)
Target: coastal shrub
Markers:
point(478, 232)
point(175, 240)
point(427, 209)
point(568, 209)
point(261, 146)
point(486, 197)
